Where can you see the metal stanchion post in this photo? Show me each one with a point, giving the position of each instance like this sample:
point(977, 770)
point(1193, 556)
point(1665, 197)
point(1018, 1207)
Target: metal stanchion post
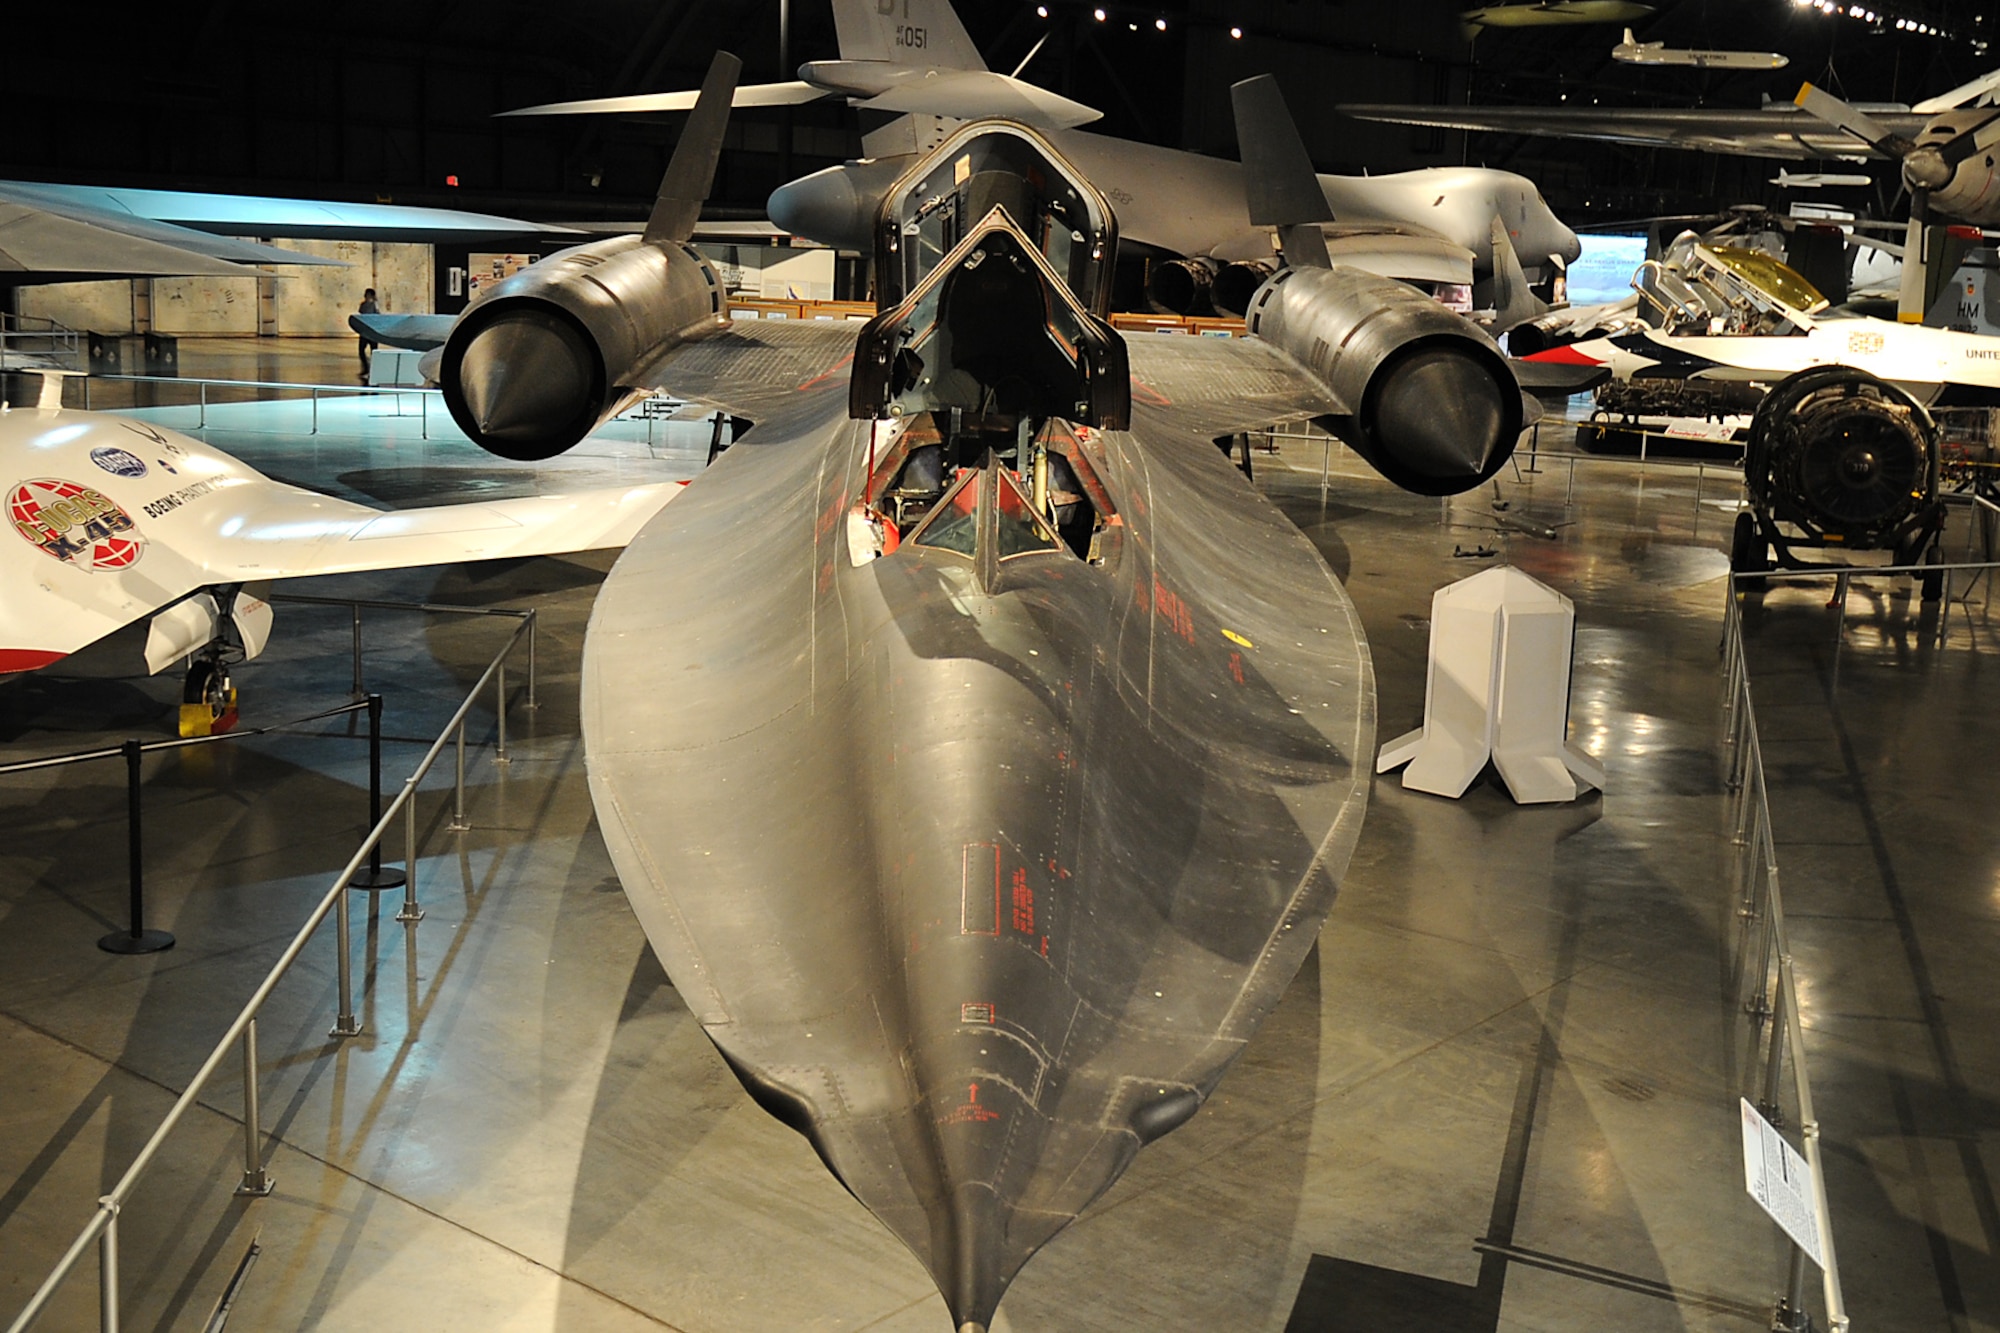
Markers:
point(500, 711)
point(1791, 1316)
point(458, 823)
point(375, 877)
point(356, 608)
point(107, 1268)
point(409, 910)
point(344, 1023)
point(1774, 1060)
point(533, 626)
point(86, 393)
point(204, 404)
point(135, 938)
point(255, 1179)
point(315, 411)
point(423, 415)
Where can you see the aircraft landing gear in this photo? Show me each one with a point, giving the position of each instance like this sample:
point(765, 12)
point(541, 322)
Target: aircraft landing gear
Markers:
point(1932, 581)
point(208, 698)
point(1749, 553)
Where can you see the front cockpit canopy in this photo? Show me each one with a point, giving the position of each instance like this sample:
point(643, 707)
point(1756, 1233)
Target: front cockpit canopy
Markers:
point(993, 318)
point(988, 165)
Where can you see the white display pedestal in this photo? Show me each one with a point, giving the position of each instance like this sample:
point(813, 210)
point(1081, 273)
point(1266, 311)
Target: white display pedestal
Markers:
point(1498, 688)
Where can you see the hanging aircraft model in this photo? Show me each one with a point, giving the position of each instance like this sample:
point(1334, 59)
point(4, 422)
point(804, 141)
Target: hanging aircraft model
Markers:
point(1554, 13)
point(119, 520)
point(1632, 51)
point(1432, 225)
point(978, 748)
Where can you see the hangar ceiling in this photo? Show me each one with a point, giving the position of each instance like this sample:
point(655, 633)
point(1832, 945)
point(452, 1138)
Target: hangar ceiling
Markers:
point(397, 102)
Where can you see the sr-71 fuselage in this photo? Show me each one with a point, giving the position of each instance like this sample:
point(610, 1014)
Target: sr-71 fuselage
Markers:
point(979, 750)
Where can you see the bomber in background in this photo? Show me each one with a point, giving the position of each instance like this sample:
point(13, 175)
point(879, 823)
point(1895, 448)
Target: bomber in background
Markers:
point(1434, 226)
point(1057, 731)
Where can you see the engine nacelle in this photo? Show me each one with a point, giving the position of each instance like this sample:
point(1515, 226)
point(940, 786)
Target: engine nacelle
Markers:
point(552, 352)
point(1237, 284)
point(1844, 457)
point(838, 206)
point(1432, 405)
point(1180, 286)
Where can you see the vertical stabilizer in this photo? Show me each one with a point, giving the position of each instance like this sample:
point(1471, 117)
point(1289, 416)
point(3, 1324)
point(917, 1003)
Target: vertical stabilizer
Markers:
point(1514, 302)
point(691, 173)
point(922, 33)
point(1279, 183)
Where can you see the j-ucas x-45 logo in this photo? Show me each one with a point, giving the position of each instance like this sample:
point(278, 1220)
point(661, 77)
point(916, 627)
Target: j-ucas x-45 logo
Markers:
point(76, 524)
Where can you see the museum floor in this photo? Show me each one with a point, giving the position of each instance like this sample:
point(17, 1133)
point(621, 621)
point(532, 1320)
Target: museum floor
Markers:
point(1502, 1094)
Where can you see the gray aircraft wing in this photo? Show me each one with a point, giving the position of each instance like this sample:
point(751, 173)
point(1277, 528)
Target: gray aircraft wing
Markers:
point(417, 333)
point(264, 215)
point(1211, 387)
point(67, 233)
point(50, 245)
point(1779, 130)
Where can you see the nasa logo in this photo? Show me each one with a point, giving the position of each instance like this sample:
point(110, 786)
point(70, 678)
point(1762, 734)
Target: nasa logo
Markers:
point(117, 462)
point(76, 524)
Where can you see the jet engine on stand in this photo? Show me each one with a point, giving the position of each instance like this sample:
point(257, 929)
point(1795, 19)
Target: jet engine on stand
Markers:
point(1839, 460)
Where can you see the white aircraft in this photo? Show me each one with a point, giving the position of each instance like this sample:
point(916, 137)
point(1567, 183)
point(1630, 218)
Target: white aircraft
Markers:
point(1742, 315)
point(1632, 51)
point(1818, 180)
point(116, 520)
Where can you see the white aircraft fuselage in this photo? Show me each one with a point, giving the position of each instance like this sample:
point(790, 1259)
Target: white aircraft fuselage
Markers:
point(1925, 362)
point(113, 519)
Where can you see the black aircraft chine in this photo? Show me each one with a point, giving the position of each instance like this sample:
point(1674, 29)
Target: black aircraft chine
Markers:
point(979, 750)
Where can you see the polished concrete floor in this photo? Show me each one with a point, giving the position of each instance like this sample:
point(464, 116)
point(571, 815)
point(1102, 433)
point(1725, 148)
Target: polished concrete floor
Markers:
point(1501, 1094)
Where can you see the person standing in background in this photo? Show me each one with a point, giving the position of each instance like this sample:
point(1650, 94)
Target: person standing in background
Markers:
point(368, 307)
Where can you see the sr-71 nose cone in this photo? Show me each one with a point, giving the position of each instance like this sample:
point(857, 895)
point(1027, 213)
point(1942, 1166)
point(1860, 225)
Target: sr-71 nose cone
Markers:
point(979, 880)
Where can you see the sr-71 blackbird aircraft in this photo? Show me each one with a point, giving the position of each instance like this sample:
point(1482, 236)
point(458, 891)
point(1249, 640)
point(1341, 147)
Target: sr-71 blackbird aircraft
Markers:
point(978, 749)
point(1434, 225)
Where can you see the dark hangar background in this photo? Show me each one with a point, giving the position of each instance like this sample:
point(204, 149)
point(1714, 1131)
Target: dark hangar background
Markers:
point(390, 103)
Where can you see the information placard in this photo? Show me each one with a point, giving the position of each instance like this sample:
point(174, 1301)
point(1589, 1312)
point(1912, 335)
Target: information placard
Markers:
point(1780, 1180)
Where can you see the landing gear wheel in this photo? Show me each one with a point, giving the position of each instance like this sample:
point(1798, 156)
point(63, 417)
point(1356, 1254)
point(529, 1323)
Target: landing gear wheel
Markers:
point(1932, 581)
point(1748, 552)
point(208, 699)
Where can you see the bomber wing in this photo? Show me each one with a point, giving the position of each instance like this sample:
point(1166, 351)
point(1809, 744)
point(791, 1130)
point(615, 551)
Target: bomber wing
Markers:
point(1779, 130)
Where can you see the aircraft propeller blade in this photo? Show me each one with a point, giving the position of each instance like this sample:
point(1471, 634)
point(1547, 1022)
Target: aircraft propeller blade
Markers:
point(1823, 105)
point(1910, 297)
